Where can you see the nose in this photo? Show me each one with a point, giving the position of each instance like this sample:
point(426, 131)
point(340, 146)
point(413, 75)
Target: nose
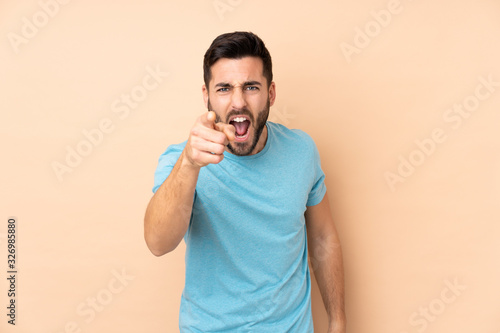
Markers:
point(238, 99)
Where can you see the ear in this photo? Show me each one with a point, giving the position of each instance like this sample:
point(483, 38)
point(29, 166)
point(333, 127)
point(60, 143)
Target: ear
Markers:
point(272, 93)
point(205, 95)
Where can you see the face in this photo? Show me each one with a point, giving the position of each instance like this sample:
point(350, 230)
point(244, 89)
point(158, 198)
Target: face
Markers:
point(239, 95)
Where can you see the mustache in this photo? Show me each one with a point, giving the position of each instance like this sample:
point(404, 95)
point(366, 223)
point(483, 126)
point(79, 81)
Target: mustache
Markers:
point(243, 111)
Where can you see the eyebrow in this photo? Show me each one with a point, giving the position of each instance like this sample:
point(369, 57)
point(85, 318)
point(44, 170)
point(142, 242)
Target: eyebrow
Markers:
point(247, 83)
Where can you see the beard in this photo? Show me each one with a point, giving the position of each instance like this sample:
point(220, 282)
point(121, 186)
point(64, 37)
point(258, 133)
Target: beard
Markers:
point(247, 147)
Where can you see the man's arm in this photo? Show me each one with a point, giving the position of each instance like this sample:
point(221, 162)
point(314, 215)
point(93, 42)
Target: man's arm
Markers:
point(169, 210)
point(326, 261)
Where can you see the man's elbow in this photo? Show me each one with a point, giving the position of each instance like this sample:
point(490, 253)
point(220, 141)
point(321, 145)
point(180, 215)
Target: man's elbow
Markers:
point(157, 252)
point(156, 247)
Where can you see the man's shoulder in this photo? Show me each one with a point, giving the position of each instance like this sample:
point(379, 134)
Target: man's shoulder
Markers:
point(175, 148)
point(291, 135)
point(171, 154)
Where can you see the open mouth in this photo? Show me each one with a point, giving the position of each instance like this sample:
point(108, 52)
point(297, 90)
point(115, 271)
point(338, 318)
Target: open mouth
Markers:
point(242, 126)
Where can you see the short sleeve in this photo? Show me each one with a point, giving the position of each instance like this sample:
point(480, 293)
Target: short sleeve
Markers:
point(318, 189)
point(166, 163)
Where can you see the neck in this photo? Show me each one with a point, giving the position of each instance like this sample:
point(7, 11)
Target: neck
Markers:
point(262, 141)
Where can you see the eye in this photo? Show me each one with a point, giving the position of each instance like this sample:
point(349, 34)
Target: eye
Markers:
point(252, 88)
point(223, 90)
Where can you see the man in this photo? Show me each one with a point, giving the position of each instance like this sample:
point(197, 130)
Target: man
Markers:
point(248, 198)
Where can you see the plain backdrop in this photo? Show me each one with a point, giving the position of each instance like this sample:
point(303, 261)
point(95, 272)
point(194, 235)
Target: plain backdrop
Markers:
point(401, 97)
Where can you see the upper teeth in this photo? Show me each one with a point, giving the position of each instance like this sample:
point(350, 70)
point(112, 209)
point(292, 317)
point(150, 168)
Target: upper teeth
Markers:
point(239, 119)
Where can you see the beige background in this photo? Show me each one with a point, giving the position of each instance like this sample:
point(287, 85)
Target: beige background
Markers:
point(404, 242)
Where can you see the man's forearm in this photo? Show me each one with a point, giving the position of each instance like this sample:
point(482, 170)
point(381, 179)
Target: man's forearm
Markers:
point(169, 211)
point(327, 264)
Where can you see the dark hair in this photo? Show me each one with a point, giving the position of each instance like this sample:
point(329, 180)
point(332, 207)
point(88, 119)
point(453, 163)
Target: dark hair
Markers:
point(236, 45)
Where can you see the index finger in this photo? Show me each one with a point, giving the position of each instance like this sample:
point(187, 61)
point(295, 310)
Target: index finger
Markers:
point(208, 119)
point(227, 129)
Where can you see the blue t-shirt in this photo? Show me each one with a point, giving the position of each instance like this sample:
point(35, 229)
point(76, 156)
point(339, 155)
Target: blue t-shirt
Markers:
point(246, 245)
